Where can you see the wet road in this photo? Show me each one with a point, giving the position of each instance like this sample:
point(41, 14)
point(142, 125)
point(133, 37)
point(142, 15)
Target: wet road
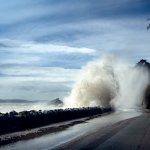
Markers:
point(92, 134)
point(131, 134)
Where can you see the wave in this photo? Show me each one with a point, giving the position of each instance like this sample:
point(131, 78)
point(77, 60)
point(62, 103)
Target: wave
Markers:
point(109, 82)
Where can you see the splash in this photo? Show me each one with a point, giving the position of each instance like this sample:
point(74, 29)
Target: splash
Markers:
point(109, 82)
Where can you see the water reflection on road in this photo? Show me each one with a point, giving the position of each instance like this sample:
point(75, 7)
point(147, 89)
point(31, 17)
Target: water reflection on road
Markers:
point(52, 140)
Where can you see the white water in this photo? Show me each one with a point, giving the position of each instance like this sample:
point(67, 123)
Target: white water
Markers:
point(7, 107)
point(108, 82)
point(104, 82)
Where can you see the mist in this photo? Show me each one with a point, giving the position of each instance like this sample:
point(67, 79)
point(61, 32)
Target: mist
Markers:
point(109, 82)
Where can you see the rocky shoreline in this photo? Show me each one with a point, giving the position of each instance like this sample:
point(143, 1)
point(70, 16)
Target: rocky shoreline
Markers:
point(69, 118)
point(25, 120)
point(37, 132)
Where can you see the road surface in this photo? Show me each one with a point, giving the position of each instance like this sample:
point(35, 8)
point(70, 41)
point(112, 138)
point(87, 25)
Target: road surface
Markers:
point(131, 134)
point(120, 131)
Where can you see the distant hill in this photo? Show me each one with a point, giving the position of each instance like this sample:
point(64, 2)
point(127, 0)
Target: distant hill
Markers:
point(55, 102)
point(15, 101)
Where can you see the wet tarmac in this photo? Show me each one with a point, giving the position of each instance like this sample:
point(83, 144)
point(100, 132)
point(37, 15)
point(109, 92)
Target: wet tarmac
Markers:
point(73, 135)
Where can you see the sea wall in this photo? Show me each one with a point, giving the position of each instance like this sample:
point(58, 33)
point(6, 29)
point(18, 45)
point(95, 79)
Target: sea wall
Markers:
point(13, 121)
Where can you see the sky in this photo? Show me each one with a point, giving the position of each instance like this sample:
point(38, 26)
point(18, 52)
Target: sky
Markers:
point(45, 43)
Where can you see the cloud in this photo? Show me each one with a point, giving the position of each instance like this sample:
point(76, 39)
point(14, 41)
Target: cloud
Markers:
point(20, 21)
point(27, 53)
point(70, 10)
point(33, 90)
point(43, 73)
point(36, 82)
point(44, 43)
point(33, 47)
point(76, 27)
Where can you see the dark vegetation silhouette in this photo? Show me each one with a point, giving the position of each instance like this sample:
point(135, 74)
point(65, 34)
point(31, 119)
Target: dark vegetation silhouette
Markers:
point(148, 27)
point(143, 63)
point(13, 121)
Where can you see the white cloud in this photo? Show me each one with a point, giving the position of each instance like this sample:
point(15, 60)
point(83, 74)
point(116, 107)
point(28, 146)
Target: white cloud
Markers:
point(125, 36)
point(32, 83)
point(82, 29)
point(28, 53)
point(53, 74)
point(24, 60)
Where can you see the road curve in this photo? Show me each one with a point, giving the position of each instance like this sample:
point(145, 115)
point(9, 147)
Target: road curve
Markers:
point(130, 134)
point(103, 132)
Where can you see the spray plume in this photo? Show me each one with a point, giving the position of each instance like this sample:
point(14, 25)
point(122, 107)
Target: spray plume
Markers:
point(108, 82)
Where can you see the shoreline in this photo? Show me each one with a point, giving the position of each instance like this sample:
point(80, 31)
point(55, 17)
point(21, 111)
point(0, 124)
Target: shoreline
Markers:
point(14, 122)
point(81, 133)
point(6, 139)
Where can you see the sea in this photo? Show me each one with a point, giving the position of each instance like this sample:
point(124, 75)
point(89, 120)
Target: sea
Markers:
point(18, 107)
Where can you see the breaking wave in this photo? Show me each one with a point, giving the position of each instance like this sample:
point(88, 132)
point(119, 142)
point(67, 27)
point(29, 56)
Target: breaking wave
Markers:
point(109, 82)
